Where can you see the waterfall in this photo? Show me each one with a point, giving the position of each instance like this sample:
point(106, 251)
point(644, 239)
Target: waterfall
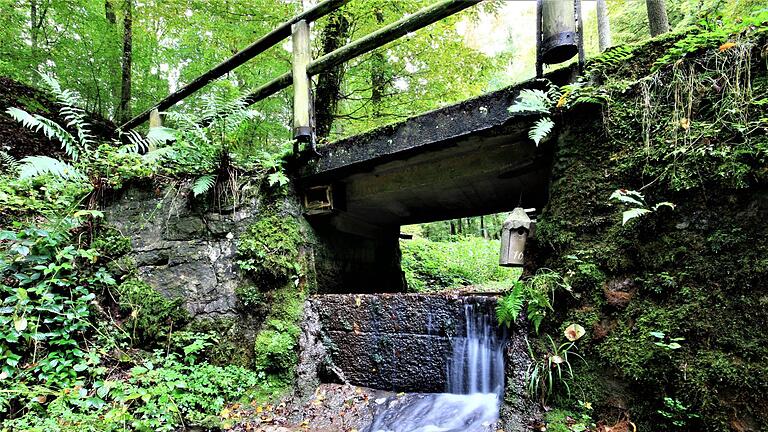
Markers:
point(475, 385)
point(477, 364)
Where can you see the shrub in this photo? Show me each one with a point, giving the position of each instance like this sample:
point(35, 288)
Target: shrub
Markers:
point(432, 265)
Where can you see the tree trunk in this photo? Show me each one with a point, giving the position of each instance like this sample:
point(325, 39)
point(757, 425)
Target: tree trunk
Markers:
point(125, 92)
point(109, 12)
point(378, 79)
point(603, 25)
point(657, 17)
point(328, 89)
point(33, 23)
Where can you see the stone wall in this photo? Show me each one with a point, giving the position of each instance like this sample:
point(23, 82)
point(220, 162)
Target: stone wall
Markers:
point(182, 247)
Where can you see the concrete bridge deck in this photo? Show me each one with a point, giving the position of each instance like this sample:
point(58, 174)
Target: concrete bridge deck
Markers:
point(467, 159)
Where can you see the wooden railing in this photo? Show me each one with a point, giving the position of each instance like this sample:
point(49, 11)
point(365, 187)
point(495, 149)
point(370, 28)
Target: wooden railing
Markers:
point(303, 67)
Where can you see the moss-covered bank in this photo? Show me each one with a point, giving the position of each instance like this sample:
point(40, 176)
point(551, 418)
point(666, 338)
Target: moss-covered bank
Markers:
point(692, 133)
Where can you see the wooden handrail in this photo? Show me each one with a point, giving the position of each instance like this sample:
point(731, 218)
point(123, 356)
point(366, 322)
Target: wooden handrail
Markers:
point(271, 39)
point(370, 42)
point(365, 44)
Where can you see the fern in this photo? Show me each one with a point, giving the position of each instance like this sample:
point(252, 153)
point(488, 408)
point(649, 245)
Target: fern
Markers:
point(509, 307)
point(203, 184)
point(8, 164)
point(70, 102)
point(541, 129)
point(531, 101)
point(33, 166)
point(48, 127)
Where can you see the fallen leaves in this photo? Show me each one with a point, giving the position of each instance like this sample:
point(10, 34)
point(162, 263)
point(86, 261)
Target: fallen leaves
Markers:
point(726, 46)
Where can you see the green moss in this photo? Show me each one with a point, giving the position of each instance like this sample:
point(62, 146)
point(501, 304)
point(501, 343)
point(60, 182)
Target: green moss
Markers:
point(111, 243)
point(275, 349)
point(699, 270)
point(251, 298)
point(151, 315)
point(232, 340)
point(269, 249)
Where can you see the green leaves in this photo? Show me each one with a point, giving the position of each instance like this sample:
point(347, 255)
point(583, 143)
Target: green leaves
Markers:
point(509, 307)
point(203, 184)
point(637, 199)
point(531, 101)
point(541, 129)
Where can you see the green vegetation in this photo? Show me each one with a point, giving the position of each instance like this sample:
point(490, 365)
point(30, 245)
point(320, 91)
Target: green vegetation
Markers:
point(434, 266)
point(668, 298)
point(270, 248)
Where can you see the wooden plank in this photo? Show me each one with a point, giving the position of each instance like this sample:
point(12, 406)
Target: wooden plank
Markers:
point(302, 129)
point(389, 33)
point(247, 53)
point(367, 43)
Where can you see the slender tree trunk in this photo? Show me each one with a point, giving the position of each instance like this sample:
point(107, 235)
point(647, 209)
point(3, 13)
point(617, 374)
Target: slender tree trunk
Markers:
point(328, 89)
point(125, 93)
point(109, 12)
point(33, 23)
point(378, 78)
point(657, 17)
point(603, 25)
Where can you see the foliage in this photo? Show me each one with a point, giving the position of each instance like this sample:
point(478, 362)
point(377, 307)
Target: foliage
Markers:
point(677, 413)
point(269, 249)
point(537, 292)
point(671, 343)
point(636, 199)
point(162, 393)
point(551, 370)
point(151, 314)
point(433, 266)
point(578, 420)
point(48, 284)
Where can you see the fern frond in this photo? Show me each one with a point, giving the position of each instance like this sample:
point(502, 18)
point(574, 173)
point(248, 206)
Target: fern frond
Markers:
point(509, 307)
point(158, 154)
point(203, 184)
point(531, 101)
point(70, 102)
point(8, 164)
point(188, 125)
point(541, 129)
point(33, 166)
point(49, 128)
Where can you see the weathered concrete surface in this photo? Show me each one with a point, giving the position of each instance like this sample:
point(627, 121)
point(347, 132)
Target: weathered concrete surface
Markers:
point(467, 159)
point(394, 342)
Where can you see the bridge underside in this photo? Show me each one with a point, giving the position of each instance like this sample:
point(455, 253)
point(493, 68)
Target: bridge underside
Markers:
point(468, 159)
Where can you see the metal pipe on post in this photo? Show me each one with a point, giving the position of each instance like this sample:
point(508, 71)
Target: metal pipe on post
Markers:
point(539, 65)
point(302, 128)
point(579, 32)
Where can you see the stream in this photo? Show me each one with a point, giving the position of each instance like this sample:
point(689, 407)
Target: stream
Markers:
point(474, 390)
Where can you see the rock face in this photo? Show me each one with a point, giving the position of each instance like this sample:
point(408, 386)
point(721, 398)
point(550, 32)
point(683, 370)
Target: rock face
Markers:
point(181, 250)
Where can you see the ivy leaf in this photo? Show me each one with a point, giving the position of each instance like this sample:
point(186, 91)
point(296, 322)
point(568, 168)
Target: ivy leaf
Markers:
point(277, 178)
point(628, 215)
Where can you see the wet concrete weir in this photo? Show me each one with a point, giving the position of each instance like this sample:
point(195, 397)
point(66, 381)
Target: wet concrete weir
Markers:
point(397, 342)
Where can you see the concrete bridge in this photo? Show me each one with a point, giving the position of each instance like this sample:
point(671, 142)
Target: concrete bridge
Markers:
point(468, 159)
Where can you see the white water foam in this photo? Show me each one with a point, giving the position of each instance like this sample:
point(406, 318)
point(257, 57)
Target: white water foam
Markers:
point(475, 386)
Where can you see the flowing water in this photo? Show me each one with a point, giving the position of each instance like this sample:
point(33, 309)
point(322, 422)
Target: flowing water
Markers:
point(475, 386)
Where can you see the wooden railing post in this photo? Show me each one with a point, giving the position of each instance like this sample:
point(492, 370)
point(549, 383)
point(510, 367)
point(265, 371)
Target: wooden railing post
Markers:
point(302, 96)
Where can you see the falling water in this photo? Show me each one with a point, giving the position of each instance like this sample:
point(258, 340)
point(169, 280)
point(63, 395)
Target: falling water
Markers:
point(475, 385)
